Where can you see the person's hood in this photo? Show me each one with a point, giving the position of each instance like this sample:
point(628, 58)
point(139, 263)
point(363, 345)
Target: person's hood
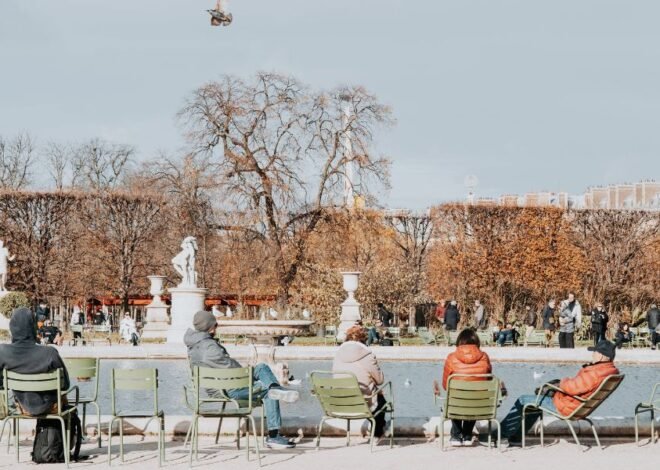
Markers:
point(22, 326)
point(352, 351)
point(192, 337)
point(469, 353)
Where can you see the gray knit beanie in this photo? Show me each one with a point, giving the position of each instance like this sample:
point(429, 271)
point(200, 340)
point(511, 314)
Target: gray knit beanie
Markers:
point(203, 320)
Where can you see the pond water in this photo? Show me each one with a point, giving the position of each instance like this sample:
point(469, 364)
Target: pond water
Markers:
point(412, 383)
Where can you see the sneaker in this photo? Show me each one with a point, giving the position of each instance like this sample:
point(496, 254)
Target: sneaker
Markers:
point(469, 441)
point(283, 394)
point(279, 442)
point(455, 442)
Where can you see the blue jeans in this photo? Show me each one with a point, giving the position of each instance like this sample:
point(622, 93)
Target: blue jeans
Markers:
point(512, 423)
point(505, 335)
point(262, 380)
point(372, 336)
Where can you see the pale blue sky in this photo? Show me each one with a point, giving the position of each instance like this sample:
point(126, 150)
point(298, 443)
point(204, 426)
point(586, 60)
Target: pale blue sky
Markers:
point(527, 95)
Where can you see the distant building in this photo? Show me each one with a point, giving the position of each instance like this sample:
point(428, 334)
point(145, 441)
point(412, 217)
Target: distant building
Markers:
point(642, 195)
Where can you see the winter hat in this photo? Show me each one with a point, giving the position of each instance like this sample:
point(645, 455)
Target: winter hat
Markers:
point(203, 320)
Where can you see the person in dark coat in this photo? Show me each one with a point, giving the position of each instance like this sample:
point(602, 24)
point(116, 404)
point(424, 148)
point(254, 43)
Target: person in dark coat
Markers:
point(599, 319)
point(653, 319)
point(452, 316)
point(385, 316)
point(25, 356)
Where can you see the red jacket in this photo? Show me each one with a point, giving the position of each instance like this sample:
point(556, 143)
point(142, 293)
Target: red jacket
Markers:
point(467, 359)
point(582, 385)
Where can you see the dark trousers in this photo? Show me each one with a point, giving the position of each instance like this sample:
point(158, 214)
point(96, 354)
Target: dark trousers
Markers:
point(655, 338)
point(598, 336)
point(462, 429)
point(380, 418)
point(566, 340)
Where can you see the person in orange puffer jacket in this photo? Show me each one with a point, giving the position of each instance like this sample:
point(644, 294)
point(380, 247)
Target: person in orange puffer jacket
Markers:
point(467, 359)
point(582, 385)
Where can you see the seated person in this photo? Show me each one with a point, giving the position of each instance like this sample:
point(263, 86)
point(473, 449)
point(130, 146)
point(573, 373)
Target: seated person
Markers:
point(467, 359)
point(25, 356)
point(205, 351)
point(128, 330)
point(623, 335)
point(355, 357)
point(50, 334)
point(582, 385)
point(387, 340)
point(508, 334)
point(495, 330)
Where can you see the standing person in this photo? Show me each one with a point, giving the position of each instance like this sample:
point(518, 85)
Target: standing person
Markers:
point(568, 320)
point(440, 310)
point(582, 385)
point(205, 351)
point(25, 356)
point(77, 318)
point(530, 322)
point(653, 319)
point(5, 257)
point(99, 318)
point(479, 316)
point(385, 316)
point(468, 358)
point(599, 321)
point(355, 357)
point(452, 316)
point(548, 318)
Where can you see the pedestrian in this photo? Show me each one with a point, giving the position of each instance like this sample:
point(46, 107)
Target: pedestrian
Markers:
point(452, 316)
point(530, 322)
point(468, 358)
point(582, 385)
point(570, 318)
point(599, 319)
point(480, 321)
point(440, 310)
point(548, 317)
point(653, 320)
point(385, 316)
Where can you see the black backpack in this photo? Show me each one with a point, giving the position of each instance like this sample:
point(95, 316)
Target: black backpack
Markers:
point(48, 444)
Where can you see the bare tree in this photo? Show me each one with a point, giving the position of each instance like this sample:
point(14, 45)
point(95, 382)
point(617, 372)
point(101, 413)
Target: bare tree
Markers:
point(101, 164)
point(16, 159)
point(282, 153)
point(58, 157)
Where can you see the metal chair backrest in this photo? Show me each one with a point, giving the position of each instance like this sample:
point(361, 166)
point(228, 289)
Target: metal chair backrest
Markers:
point(485, 337)
point(472, 396)
point(134, 380)
point(330, 330)
point(339, 394)
point(86, 368)
point(102, 328)
point(208, 378)
point(76, 328)
point(45, 382)
point(594, 400)
point(394, 331)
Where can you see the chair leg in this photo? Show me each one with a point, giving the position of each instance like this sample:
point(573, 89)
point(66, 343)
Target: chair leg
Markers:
point(121, 439)
point(441, 432)
point(373, 433)
point(391, 430)
point(17, 430)
point(188, 433)
point(318, 434)
point(593, 429)
point(110, 424)
point(217, 433)
point(256, 440)
point(161, 441)
point(570, 426)
point(98, 422)
point(238, 435)
point(247, 437)
point(65, 441)
point(348, 432)
point(191, 431)
point(637, 425)
point(490, 432)
point(654, 439)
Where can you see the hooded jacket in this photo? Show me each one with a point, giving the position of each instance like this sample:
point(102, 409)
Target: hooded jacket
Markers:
point(25, 356)
point(205, 351)
point(452, 317)
point(467, 359)
point(358, 359)
point(583, 384)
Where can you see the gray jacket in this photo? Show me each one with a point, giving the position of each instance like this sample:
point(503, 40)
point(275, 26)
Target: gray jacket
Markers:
point(205, 351)
point(566, 320)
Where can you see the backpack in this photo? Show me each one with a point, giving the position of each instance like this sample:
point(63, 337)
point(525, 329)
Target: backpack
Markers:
point(48, 444)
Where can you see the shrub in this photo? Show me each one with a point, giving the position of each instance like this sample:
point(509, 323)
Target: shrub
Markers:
point(12, 301)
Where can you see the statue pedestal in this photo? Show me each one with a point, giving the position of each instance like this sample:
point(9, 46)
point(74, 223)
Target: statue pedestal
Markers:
point(350, 308)
point(185, 302)
point(158, 322)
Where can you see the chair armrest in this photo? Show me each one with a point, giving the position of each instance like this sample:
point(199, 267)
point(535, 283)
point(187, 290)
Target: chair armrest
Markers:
point(74, 389)
point(386, 385)
point(185, 396)
point(545, 386)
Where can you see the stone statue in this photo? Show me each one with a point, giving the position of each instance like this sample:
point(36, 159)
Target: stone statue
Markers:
point(184, 262)
point(5, 257)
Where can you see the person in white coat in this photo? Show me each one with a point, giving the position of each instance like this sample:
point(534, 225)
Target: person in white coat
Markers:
point(128, 330)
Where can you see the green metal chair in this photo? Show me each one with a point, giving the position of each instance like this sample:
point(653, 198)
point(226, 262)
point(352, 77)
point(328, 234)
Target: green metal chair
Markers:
point(475, 400)
point(395, 334)
point(485, 338)
point(102, 333)
point(47, 382)
point(536, 338)
point(86, 369)
point(341, 398)
point(581, 413)
point(220, 380)
point(330, 334)
point(427, 337)
point(131, 380)
point(77, 329)
point(451, 337)
point(651, 406)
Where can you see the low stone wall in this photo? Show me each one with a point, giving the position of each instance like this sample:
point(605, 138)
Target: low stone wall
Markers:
point(613, 427)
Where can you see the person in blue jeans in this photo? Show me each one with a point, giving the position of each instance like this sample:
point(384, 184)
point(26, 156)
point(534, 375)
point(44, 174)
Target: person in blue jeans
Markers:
point(205, 351)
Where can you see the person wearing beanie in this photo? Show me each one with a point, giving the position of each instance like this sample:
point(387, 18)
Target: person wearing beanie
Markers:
point(582, 385)
point(25, 356)
point(205, 351)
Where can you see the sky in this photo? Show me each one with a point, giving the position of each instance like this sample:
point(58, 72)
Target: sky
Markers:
point(527, 95)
